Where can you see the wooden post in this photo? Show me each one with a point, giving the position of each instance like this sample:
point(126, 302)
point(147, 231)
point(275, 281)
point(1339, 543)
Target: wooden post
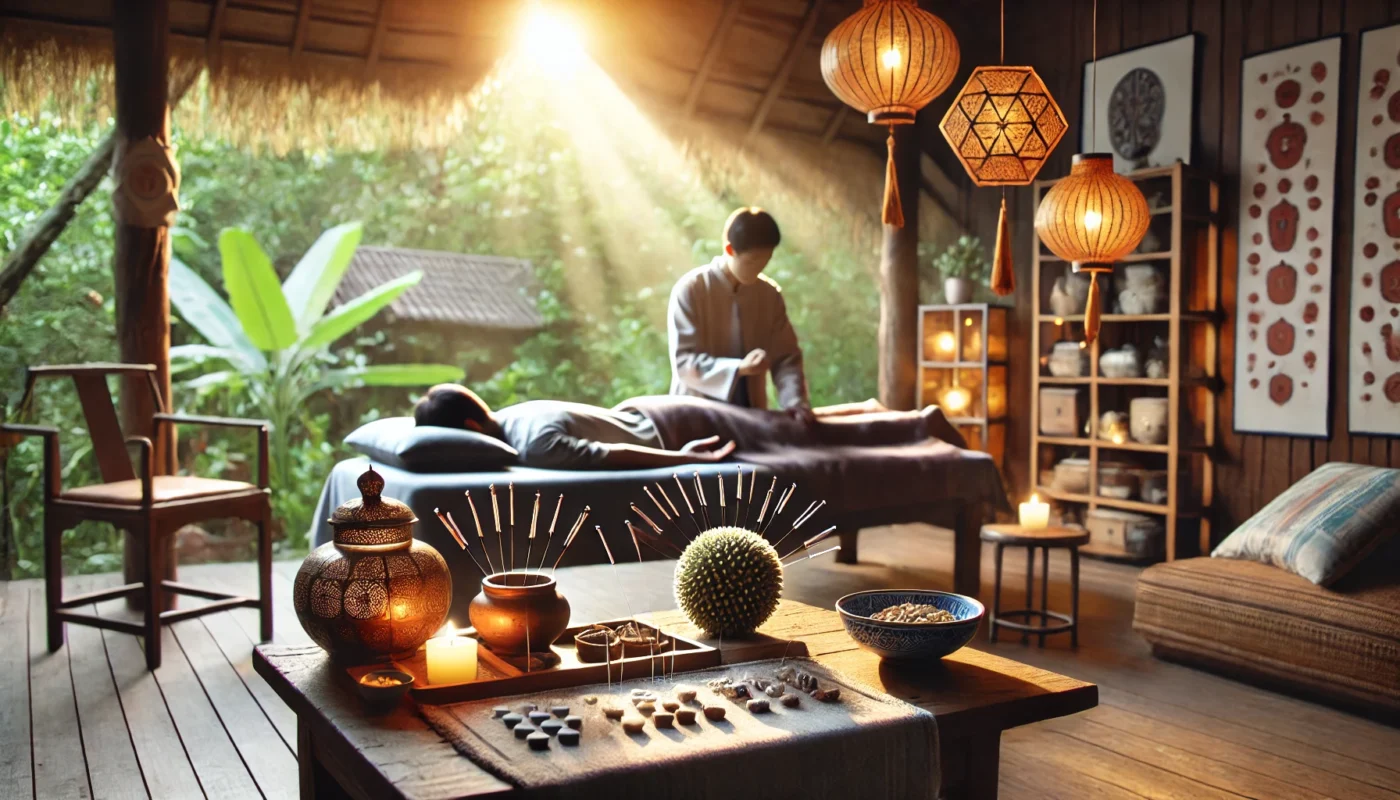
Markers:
point(141, 268)
point(899, 281)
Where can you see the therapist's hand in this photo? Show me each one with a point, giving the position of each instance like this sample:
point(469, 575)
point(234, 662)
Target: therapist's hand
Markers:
point(708, 449)
point(755, 363)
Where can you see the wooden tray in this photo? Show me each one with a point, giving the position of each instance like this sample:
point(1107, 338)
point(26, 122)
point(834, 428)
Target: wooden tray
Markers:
point(498, 676)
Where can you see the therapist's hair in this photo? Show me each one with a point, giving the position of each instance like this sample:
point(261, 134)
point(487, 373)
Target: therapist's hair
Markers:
point(750, 228)
point(449, 405)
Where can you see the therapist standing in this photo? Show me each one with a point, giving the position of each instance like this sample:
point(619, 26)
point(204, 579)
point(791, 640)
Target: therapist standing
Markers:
point(728, 326)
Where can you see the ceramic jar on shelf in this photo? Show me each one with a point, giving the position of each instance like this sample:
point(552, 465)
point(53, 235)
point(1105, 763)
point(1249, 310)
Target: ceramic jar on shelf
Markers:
point(1147, 420)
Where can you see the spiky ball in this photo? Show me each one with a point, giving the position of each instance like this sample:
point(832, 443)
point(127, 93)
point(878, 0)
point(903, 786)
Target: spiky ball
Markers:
point(728, 581)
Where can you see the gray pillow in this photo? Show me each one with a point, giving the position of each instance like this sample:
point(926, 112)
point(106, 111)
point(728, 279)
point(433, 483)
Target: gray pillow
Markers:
point(399, 442)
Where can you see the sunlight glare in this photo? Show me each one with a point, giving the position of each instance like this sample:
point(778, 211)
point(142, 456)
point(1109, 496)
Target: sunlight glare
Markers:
point(551, 39)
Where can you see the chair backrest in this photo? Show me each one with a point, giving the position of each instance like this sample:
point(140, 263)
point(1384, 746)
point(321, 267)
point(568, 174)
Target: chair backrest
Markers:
point(108, 441)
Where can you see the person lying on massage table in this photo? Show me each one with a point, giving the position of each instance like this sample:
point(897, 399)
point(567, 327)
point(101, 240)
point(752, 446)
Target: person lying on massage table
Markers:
point(555, 434)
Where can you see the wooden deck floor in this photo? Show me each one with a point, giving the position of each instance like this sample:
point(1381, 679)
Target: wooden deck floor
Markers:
point(89, 721)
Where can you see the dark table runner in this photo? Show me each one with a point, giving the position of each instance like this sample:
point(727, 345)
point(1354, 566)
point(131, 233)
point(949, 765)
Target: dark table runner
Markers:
point(866, 745)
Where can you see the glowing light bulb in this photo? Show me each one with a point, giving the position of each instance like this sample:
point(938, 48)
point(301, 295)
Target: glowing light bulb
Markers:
point(957, 399)
point(945, 342)
point(1092, 220)
point(1059, 321)
point(968, 322)
point(890, 58)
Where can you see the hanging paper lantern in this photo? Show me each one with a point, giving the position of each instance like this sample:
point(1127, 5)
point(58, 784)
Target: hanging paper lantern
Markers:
point(1091, 219)
point(887, 61)
point(1002, 127)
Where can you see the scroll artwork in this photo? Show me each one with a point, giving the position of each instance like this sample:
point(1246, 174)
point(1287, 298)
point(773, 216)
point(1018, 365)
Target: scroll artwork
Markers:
point(1374, 366)
point(1288, 165)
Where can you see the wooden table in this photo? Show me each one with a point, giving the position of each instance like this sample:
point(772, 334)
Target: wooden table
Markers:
point(975, 696)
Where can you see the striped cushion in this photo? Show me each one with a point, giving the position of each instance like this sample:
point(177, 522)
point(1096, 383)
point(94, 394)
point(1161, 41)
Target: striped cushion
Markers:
point(1324, 524)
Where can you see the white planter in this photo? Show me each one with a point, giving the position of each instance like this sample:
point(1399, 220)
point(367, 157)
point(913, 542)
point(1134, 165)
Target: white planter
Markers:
point(957, 291)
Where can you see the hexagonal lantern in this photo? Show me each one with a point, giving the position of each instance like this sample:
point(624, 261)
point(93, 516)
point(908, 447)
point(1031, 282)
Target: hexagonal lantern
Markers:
point(1003, 125)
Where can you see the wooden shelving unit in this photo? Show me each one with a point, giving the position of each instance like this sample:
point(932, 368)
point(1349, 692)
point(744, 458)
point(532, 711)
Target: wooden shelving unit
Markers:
point(963, 348)
point(1188, 223)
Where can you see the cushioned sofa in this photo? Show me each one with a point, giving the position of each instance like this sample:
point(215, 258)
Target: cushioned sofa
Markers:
point(1262, 623)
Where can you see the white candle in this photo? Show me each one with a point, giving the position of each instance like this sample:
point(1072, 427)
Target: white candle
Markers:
point(451, 658)
point(1035, 515)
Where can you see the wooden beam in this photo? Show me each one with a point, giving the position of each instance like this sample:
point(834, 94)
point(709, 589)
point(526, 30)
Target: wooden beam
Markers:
point(141, 267)
point(837, 120)
point(712, 51)
point(299, 32)
point(376, 39)
point(794, 52)
point(899, 282)
point(216, 34)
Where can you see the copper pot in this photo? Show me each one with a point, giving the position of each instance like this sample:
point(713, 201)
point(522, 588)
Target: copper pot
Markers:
point(516, 606)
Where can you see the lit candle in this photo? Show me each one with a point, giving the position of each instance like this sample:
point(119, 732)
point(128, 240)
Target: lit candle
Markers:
point(451, 658)
point(1035, 515)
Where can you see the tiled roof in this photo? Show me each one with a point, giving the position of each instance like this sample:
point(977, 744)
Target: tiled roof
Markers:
point(480, 291)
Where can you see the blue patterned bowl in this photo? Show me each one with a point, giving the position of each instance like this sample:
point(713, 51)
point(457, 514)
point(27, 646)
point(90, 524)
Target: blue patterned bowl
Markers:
point(909, 640)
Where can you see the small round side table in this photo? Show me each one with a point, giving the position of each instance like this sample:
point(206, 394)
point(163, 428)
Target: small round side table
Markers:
point(1047, 621)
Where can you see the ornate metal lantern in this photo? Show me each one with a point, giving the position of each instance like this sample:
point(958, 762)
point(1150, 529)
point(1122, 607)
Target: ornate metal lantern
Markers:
point(374, 592)
point(887, 61)
point(1091, 219)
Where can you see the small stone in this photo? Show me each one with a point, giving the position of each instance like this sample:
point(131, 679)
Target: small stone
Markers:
point(640, 692)
point(525, 729)
point(528, 707)
point(774, 690)
point(511, 720)
point(827, 695)
point(591, 699)
point(670, 705)
point(790, 700)
point(574, 722)
point(634, 724)
point(538, 741)
point(538, 716)
point(686, 716)
point(612, 712)
point(646, 707)
point(757, 706)
point(559, 711)
point(569, 737)
point(664, 719)
point(715, 713)
point(685, 694)
point(551, 726)
point(499, 711)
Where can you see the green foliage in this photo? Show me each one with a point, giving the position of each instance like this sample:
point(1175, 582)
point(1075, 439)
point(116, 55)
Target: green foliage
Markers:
point(292, 362)
point(964, 258)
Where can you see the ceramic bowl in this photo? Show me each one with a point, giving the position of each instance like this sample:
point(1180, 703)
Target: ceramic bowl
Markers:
point(909, 640)
point(380, 697)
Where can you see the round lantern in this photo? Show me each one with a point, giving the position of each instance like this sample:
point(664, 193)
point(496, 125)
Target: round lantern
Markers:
point(374, 592)
point(1091, 219)
point(887, 61)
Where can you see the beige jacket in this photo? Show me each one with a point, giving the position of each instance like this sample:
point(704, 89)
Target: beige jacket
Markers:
point(713, 322)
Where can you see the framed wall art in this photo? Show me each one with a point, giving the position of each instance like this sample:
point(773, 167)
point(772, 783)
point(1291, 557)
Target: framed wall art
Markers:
point(1145, 106)
point(1373, 368)
point(1288, 170)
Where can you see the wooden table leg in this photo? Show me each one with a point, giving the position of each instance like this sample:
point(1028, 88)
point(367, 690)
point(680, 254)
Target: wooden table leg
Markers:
point(996, 597)
point(967, 550)
point(1030, 590)
point(314, 781)
point(1074, 596)
point(970, 766)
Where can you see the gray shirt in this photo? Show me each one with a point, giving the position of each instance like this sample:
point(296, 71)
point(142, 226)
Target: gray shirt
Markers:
point(554, 434)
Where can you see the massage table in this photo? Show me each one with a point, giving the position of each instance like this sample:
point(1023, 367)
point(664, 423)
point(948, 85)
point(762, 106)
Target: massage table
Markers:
point(929, 481)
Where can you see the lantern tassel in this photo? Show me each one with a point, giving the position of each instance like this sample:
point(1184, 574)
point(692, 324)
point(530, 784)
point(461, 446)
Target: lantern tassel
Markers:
point(1003, 274)
point(894, 209)
point(1091, 310)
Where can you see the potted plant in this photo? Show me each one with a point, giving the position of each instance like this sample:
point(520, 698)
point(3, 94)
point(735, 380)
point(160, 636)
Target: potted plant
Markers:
point(962, 264)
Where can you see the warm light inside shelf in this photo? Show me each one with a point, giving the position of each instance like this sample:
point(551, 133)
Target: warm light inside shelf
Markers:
point(956, 400)
point(945, 342)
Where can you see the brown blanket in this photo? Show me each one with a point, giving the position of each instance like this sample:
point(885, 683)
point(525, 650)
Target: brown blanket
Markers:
point(858, 462)
point(865, 745)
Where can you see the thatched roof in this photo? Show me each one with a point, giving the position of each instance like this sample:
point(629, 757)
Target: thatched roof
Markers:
point(457, 288)
point(289, 72)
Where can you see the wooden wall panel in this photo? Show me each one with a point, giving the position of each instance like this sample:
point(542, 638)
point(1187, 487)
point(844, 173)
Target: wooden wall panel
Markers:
point(1253, 469)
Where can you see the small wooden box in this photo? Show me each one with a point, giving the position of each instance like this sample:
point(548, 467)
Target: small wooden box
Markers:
point(1061, 411)
point(1124, 533)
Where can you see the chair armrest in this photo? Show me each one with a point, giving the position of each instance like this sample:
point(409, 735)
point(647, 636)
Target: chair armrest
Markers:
point(216, 422)
point(260, 425)
point(53, 472)
point(144, 466)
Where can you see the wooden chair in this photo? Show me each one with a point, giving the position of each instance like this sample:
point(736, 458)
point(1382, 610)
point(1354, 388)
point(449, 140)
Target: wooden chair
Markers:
point(151, 507)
